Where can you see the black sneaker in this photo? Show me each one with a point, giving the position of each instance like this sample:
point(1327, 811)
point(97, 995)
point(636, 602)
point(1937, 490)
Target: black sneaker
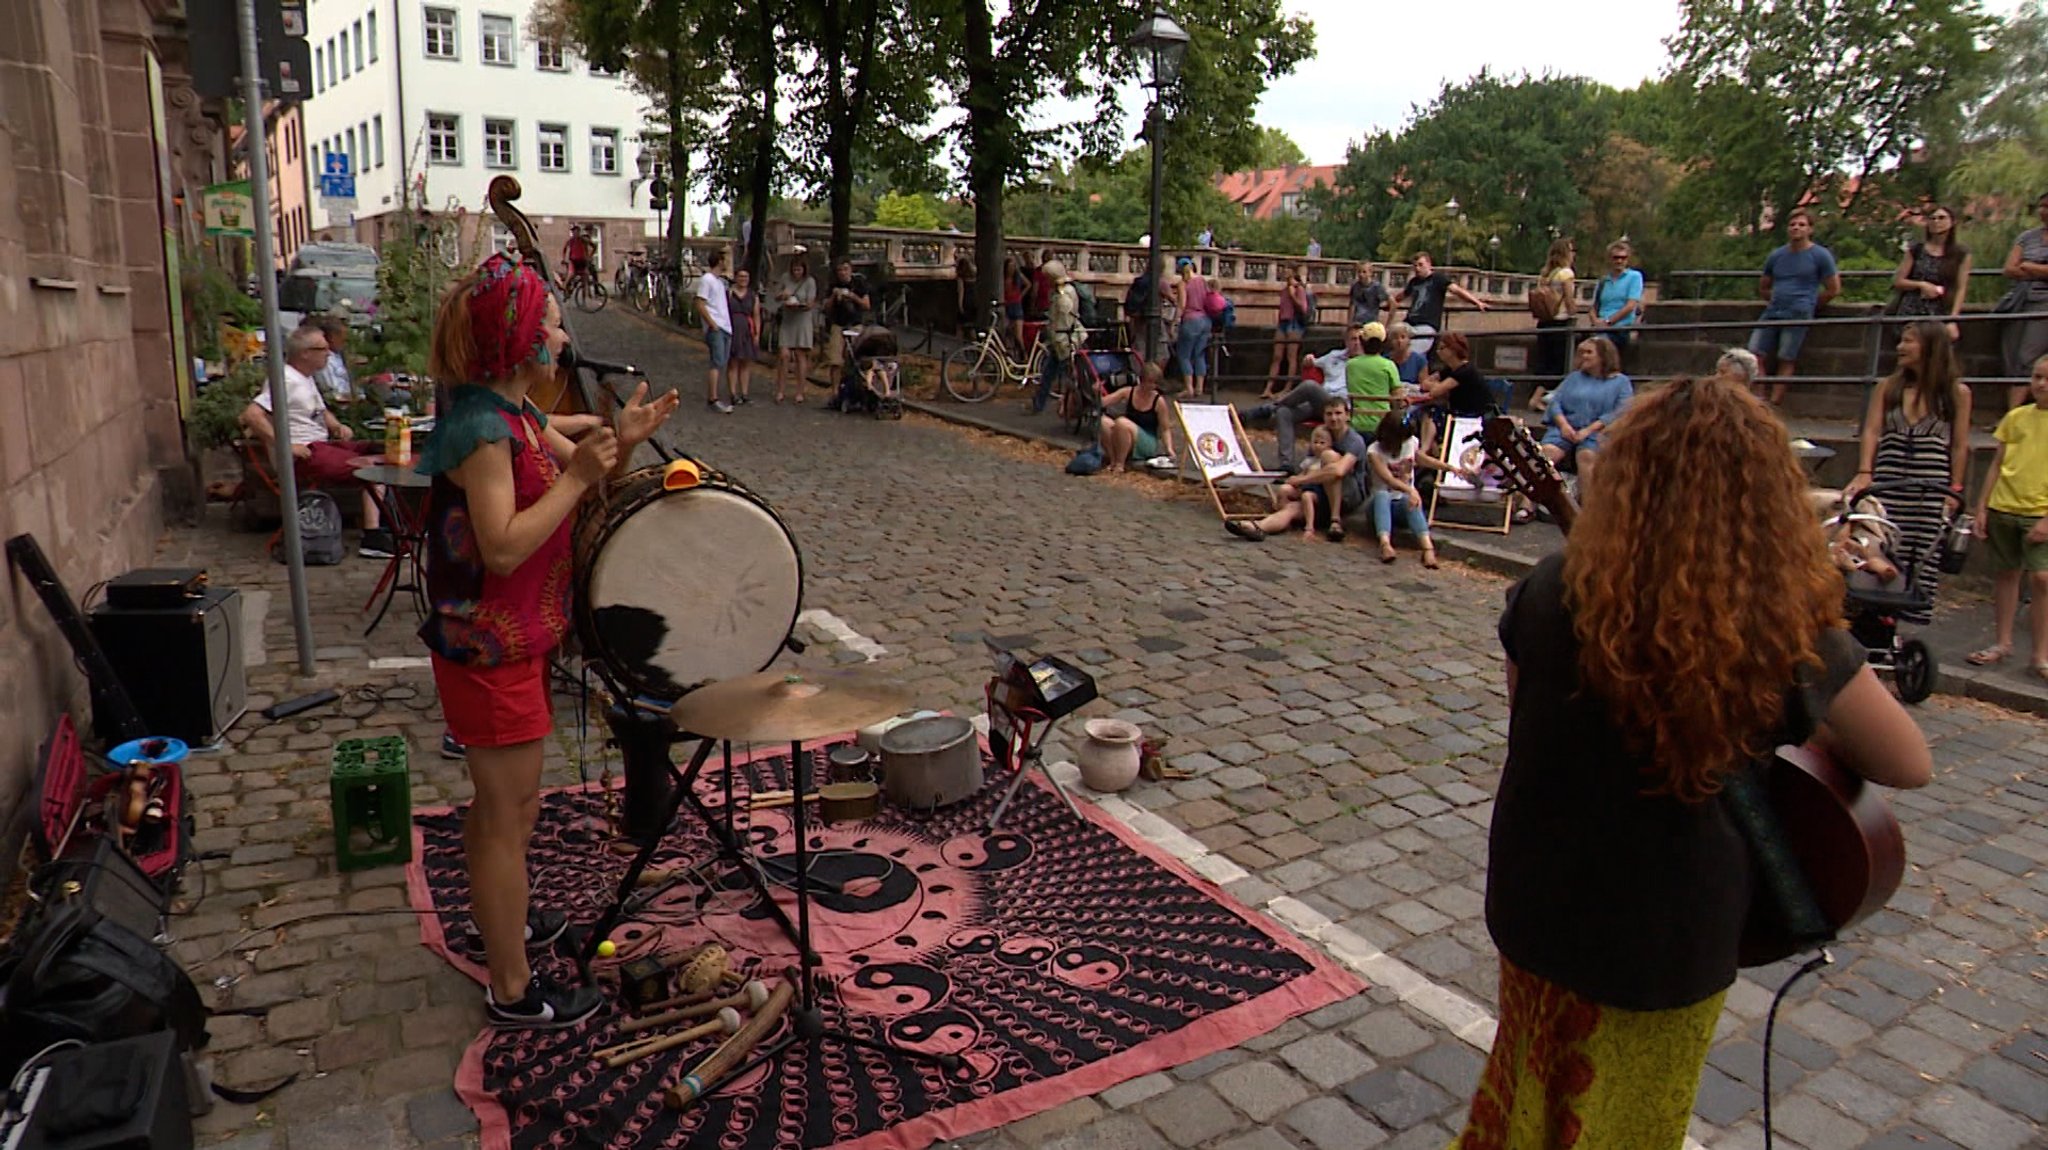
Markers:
point(544, 926)
point(546, 1006)
point(377, 544)
point(452, 748)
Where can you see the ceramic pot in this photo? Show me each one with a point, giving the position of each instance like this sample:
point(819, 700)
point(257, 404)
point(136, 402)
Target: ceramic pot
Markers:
point(1108, 757)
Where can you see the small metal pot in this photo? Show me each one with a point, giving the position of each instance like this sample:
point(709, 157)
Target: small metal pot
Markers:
point(851, 763)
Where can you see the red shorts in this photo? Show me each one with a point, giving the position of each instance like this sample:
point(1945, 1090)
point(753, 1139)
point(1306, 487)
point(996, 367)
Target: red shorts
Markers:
point(332, 463)
point(501, 706)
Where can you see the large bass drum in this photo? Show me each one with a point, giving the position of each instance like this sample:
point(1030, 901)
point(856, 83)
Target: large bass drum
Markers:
point(684, 577)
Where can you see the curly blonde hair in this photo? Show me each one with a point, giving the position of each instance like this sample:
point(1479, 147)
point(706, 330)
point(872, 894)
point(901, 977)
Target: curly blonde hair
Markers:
point(1698, 580)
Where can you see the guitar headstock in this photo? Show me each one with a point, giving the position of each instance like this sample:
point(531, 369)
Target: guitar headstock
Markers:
point(1509, 446)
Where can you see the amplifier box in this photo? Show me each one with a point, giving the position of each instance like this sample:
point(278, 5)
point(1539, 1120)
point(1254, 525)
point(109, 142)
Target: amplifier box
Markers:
point(112, 884)
point(156, 587)
point(181, 664)
point(126, 1095)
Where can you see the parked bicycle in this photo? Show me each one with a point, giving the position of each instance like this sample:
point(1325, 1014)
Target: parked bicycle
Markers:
point(632, 282)
point(975, 372)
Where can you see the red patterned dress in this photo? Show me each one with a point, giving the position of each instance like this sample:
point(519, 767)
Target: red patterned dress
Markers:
point(491, 634)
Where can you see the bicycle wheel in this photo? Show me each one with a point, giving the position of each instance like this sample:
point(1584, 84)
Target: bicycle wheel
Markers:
point(588, 295)
point(971, 374)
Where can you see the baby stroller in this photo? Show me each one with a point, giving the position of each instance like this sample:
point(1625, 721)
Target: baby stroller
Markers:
point(1883, 580)
point(1095, 374)
point(872, 379)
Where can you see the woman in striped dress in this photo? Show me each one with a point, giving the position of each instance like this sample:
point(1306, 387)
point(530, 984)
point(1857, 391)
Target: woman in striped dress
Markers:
point(1918, 427)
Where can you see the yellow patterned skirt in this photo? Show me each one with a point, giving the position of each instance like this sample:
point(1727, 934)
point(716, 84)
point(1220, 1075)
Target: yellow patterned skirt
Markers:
point(1569, 1073)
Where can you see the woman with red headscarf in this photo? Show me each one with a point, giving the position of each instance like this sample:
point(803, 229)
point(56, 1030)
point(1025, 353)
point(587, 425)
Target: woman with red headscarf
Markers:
point(498, 570)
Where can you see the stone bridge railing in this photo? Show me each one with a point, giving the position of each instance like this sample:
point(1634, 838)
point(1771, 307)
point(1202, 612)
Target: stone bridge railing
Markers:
point(1250, 279)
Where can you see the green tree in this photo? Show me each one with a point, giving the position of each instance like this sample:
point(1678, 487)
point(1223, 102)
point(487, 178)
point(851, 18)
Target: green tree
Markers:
point(656, 43)
point(1277, 149)
point(1856, 87)
point(901, 210)
point(1511, 152)
point(999, 63)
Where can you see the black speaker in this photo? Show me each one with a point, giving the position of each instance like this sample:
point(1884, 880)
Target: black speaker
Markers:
point(182, 664)
point(127, 1095)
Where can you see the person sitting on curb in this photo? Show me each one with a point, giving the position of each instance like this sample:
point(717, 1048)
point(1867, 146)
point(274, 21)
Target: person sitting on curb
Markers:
point(1321, 377)
point(1144, 429)
point(1392, 459)
point(1341, 481)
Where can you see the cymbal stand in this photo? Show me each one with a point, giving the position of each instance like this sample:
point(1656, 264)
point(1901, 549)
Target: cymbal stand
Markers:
point(643, 739)
point(807, 1021)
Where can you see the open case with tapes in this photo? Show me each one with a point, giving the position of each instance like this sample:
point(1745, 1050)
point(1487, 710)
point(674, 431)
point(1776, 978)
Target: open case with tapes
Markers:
point(140, 806)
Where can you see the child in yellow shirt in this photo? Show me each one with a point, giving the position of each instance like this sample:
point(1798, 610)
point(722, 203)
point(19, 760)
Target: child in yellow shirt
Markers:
point(2012, 518)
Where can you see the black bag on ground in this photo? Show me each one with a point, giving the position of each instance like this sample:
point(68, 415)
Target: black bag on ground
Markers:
point(76, 974)
point(319, 530)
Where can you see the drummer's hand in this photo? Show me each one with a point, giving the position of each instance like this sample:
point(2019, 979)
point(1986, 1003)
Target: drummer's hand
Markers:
point(596, 454)
point(637, 423)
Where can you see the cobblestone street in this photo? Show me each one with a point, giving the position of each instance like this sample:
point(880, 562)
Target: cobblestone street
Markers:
point(1342, 723)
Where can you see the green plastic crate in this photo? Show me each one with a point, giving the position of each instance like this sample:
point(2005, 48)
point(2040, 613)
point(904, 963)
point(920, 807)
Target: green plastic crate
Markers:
point(370, 789)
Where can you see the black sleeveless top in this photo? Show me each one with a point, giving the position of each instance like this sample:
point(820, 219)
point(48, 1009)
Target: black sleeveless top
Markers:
point(1147, 420)
point(1632, 900)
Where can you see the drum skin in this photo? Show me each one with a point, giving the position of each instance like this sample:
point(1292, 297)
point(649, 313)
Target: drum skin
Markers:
point(677, 588)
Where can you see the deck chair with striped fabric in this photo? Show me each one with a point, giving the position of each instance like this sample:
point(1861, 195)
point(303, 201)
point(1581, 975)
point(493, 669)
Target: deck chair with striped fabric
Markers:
point(1219, 450)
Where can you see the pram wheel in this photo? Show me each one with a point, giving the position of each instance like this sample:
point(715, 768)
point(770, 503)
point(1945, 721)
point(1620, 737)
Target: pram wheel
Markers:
point(1913, 671)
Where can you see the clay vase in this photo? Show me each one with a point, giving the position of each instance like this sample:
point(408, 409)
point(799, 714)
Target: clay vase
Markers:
point(1108, 757)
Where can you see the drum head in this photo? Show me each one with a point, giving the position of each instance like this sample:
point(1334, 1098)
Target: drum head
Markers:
point(690, 587)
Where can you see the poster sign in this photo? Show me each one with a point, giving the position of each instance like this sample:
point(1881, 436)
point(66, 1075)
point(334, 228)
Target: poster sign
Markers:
point(229, 209)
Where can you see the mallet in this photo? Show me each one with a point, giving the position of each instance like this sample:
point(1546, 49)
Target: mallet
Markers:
point(727, 1022)
point(752, 997)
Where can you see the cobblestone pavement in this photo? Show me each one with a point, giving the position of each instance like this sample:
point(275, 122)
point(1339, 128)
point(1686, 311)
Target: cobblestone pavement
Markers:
point(1342, 723)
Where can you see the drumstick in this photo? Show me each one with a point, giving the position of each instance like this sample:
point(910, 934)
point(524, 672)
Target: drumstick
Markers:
point(767, 800)
point(727, 1022)
point(752, 996)
point(734, 1050)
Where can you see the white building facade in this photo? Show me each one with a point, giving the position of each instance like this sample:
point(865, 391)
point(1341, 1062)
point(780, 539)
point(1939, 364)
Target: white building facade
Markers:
point(447, 94)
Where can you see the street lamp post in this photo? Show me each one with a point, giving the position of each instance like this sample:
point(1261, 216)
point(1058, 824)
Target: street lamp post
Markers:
point(1493, 254)
point(1160, 44)
point(1450, 230)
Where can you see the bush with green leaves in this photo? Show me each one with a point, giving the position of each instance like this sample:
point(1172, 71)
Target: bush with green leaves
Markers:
point(215, 417)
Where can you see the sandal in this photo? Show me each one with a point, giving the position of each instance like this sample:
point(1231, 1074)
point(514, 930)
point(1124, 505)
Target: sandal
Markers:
point(1244, 530)
point(1387, 553)
point(1988, 656)
point(1429, 558)
point(2038, 670)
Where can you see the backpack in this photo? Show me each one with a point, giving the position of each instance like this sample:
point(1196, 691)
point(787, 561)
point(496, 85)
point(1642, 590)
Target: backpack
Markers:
point(1222, 311)
point(1085, 307)
point(1086, 461)
point(1543, 301)
point(319, 530)
point(1214, 303)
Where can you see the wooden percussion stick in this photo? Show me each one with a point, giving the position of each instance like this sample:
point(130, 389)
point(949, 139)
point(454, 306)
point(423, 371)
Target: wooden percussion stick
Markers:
point(734, 1050)
point(752, 997)
point(727, 1022)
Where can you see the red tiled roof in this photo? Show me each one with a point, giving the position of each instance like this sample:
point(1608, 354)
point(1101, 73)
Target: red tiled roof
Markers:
point(1259, 192)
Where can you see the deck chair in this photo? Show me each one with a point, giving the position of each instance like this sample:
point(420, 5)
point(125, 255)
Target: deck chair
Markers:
point(1218, 449)
point(1489, 494)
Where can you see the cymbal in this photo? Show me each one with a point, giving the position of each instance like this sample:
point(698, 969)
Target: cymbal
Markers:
point(788, 706)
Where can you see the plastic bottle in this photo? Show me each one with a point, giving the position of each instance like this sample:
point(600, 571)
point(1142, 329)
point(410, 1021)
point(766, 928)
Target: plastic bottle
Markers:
point(394, 428)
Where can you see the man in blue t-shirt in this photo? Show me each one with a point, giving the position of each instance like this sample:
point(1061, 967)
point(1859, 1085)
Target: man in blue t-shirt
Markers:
point(1618, 298)
point(1798, 278)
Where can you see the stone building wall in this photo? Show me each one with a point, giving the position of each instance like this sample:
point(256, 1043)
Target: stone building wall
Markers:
point(88, 403)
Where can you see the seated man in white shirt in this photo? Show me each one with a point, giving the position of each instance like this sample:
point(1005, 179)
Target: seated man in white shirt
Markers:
point(322, 444)
point(1322, 377)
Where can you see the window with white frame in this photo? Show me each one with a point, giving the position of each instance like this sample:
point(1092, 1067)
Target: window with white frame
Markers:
point(377, 133)
point(359, 45)
point(499, 44)
point(554, 148)
point(501, 238)
point(373, 35)
point(441, 42)
point(604, 151)
point(319, 70)
point(330, 66)
point(499, 150)
point(444, 138)
point(346, 71)
point(549, 55)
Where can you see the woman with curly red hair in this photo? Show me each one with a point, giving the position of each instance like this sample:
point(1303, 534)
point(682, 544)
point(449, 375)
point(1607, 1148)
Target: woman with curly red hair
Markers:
point(1691, 624)
point(498, 570)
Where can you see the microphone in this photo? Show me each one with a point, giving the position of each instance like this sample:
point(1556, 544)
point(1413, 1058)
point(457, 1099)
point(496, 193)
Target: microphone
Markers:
point(573, 359)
